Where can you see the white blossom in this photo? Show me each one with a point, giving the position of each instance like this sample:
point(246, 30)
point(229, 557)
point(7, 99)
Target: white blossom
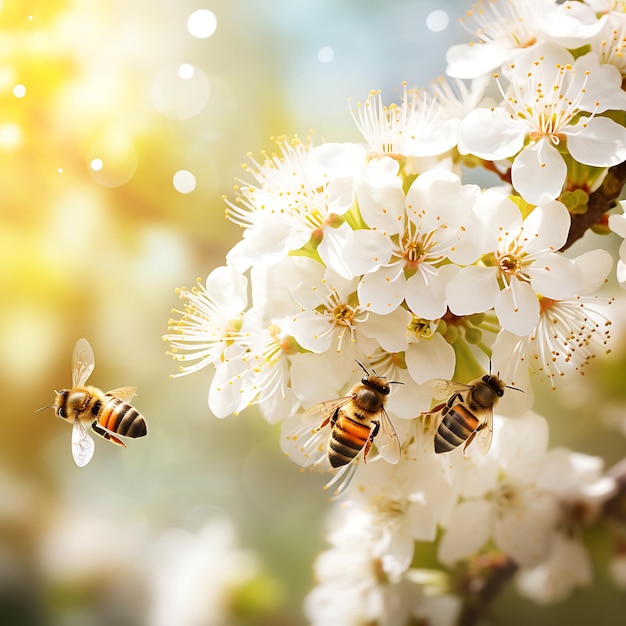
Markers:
point(545, 106)
point(520, 263)
point(569, 332)
point(504, 27)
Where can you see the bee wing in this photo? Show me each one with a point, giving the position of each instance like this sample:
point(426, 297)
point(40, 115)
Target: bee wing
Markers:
point(123, 393)
point(83, 445)
point(305, 436)
point(441, 388)
point(387, 440)
point(83, 362)
point(484, 433)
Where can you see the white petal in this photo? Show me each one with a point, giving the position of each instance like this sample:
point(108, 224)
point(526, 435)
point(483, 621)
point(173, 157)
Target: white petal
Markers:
point(555, 276)
point(427, 297)
point(599, 141)
point(474, 289)
point(430, 358)
point(312, 331)
point(520, 443)
point(389, 330)
point(621, 273)
point(369, 250)
point(595, 266)
point(382, 291)
point(617, 223)
point(472, 60)
point(492, 134)
point(469, 528)
point(380, 196)
point(335, 241)
point(566, 566)
point(538, 172)
point(547, 226)
point(517, 308)
point(602, 85)
point(523, 530)
point(227, 286)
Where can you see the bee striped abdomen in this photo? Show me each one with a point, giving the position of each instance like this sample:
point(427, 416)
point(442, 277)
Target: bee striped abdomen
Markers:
point(347, 438)
point(456, 427)
point(119, 417)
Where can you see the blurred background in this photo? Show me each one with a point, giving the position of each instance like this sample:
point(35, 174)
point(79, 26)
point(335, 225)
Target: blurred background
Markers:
point(122, 124)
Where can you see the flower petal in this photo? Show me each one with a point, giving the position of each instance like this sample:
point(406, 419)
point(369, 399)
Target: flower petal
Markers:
point(545, 228)
point(598, 141)
point(430, 358)
point(491, 134)
point(555, 276)
point(517, 308)
point(382, 291)
point(538, 172)
point(474, 289)
point(469, 528)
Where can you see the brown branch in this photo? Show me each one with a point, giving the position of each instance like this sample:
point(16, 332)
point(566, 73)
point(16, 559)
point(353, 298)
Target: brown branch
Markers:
point(600, 201)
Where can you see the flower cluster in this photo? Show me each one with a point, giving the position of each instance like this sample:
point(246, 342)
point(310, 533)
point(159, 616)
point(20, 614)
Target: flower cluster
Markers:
point(378, 252)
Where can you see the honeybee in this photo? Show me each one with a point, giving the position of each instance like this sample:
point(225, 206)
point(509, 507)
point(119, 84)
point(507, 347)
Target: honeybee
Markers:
point(349, 427)
point(109, 414)
point(467, 414)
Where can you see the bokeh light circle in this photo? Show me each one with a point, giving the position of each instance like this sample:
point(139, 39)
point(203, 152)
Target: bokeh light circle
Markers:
point(202, 23)
point(326, 54)
point(437, 21)
point(184, 181)
point(19, 91)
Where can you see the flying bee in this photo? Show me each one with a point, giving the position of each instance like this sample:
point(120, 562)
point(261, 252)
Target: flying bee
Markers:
point(349, 426)
point(467, 414)
point(109, 414)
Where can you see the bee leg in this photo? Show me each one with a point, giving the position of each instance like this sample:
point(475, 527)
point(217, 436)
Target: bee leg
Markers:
point(370, 439)
point(435, 409)
point(324, 423)
point(107, 435)
point(471, 438)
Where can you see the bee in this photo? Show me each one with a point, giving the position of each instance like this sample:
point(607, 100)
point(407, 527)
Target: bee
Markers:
point(349, 426)
point(109, 414)
point(467, 414)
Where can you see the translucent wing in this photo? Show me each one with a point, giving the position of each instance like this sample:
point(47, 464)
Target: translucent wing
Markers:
point(441, 388)
point(123, 393)
point(387, 440)
point(483, 434)
point(83, 445)
point(305, 435)
point(83, 363)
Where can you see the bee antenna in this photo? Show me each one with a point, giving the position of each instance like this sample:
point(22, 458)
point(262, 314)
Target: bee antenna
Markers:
point(514, 388)
point(395, 382)
point(48, 406)
point(363, 368)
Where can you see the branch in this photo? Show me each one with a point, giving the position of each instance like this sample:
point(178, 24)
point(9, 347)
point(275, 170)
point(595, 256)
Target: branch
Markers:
point(600, 201)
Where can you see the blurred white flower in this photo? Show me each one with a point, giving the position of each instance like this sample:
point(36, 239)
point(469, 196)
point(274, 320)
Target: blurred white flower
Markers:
point(353, 589)
point(566, 567)
point(193, 577)
point(500, 499)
